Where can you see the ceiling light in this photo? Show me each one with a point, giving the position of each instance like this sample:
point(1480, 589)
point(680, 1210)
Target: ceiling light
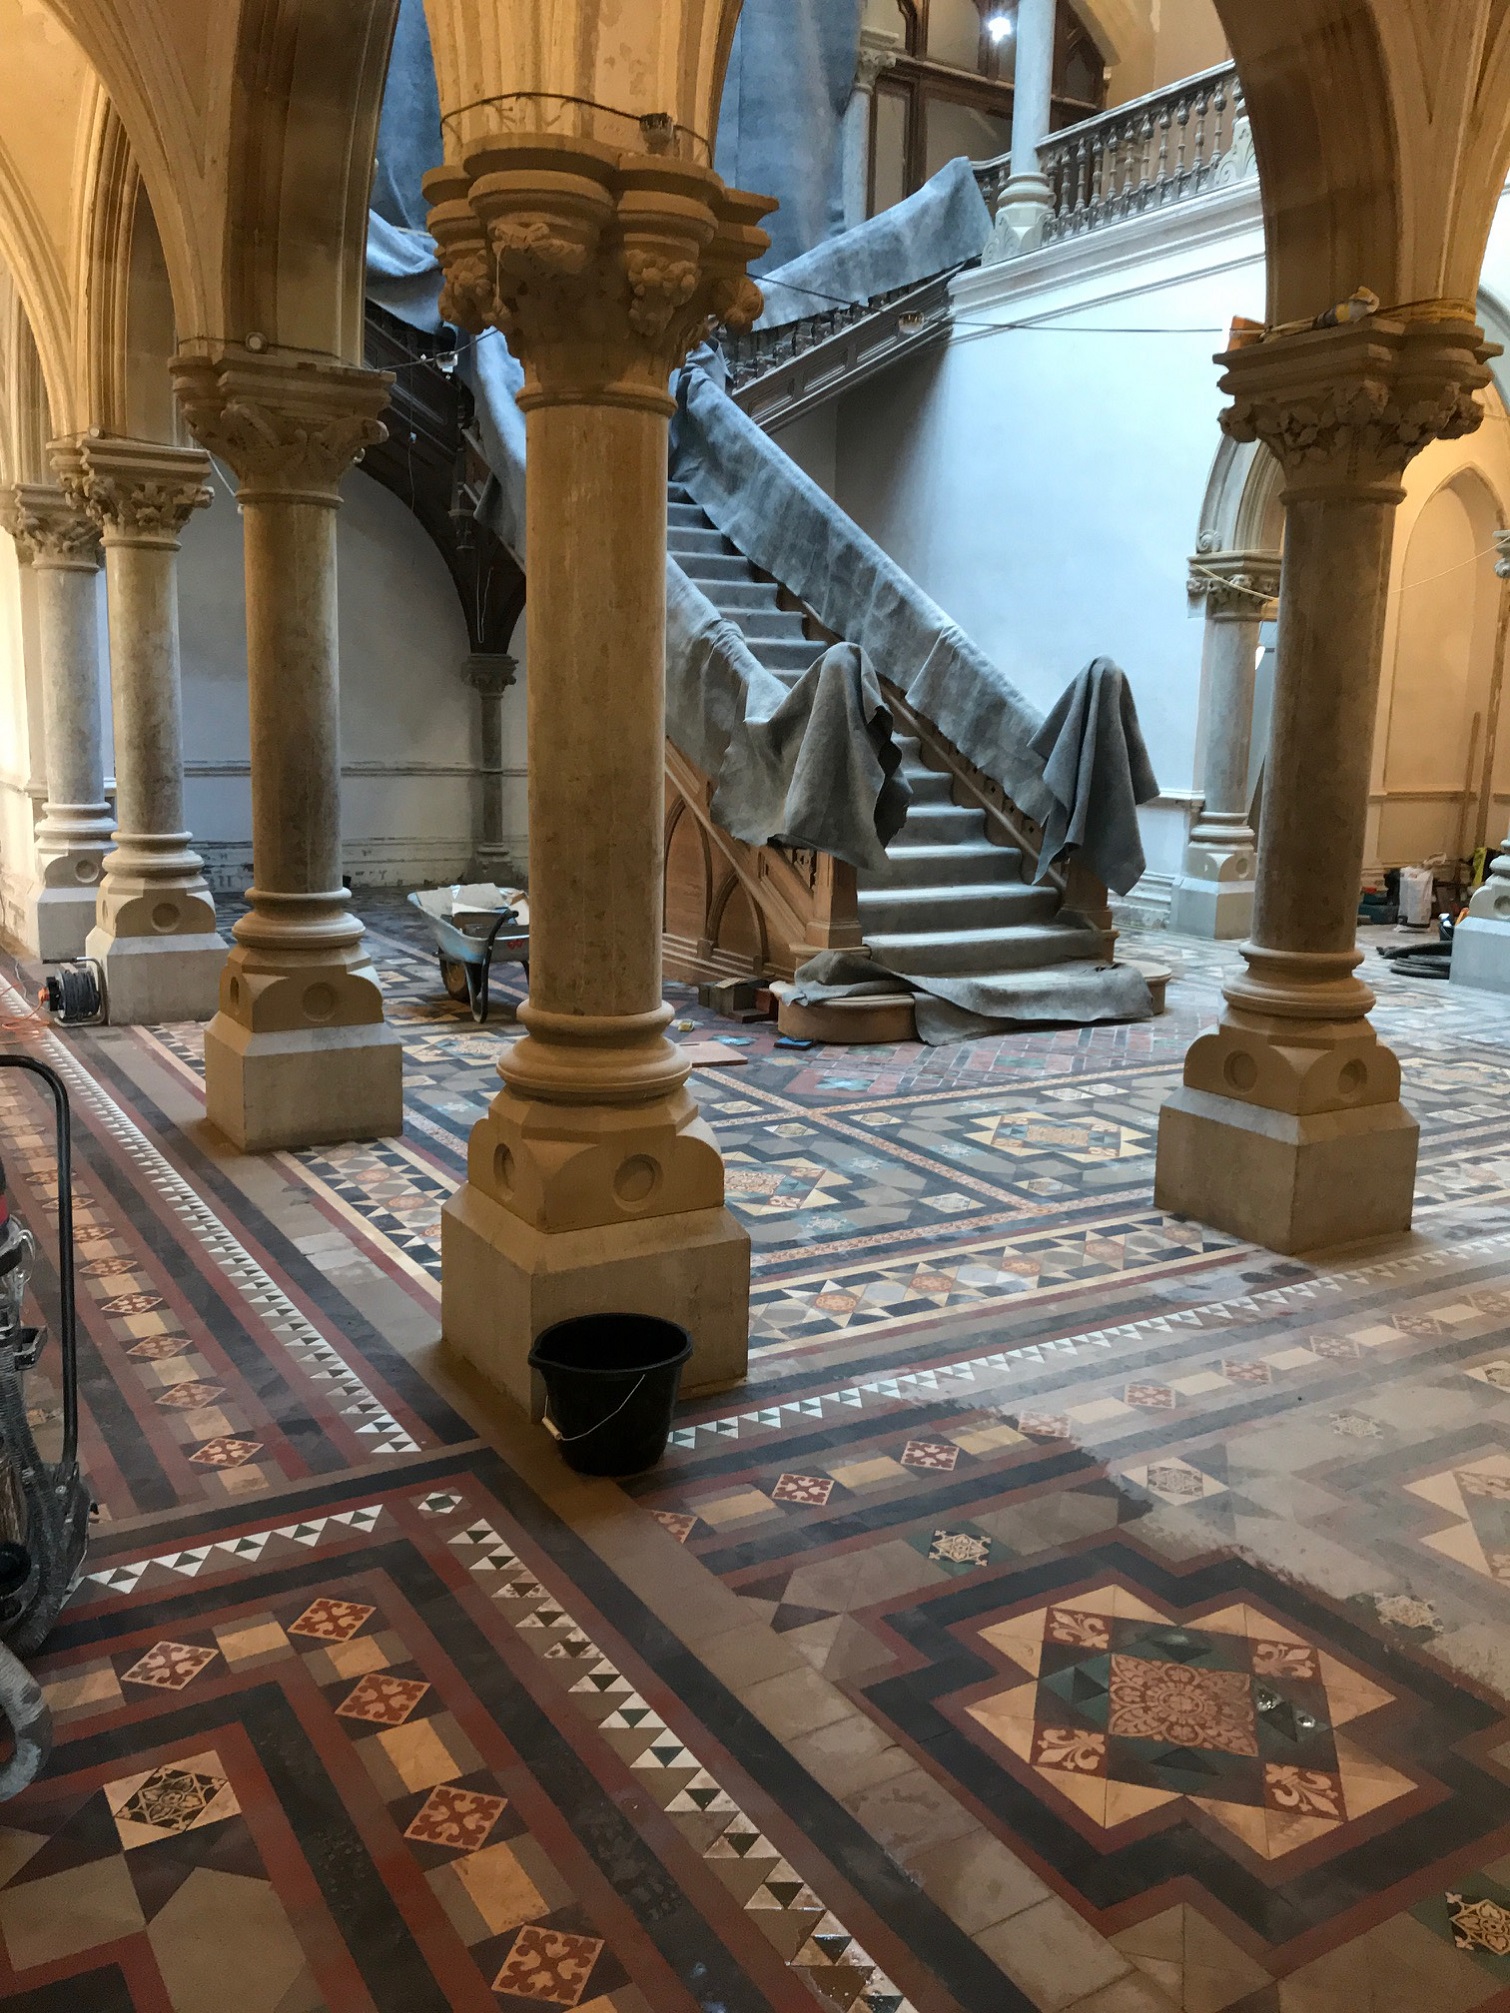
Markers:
point(998, 26)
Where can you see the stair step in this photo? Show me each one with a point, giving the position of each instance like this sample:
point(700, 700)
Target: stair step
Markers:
point(944, 823)
point(675, 493)
point(774, 625)
point(695, 538)
point(688, 515)
point(958, 910)
point(719, 566)
point(746, 597)
point(941, 953)
point(794, 656)
point(928, 786)
point(975, 862)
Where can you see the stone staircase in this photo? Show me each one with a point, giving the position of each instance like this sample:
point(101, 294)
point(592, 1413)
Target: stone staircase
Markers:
point(952, 901)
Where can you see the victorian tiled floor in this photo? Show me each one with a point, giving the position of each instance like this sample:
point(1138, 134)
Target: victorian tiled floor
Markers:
point(1077, 1609)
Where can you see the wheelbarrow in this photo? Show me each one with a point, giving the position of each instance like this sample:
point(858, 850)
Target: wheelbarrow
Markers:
point(474, 928)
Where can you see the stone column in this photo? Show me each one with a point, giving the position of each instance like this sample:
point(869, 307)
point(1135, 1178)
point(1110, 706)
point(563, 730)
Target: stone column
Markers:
point(592, 1184)
point(1289, 1128)
point(60, 543)
point(1213, 896)
point(877, 53)
point(155, 931)
point(1027, 200)
point(490, 673)
point(1481, 941)
point(298, 1053)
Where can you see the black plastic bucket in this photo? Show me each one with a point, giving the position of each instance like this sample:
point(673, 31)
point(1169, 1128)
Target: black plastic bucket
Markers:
point(610, 1387)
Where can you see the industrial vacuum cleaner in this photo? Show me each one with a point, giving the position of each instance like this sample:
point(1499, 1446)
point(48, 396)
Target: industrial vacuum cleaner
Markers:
point(44, 1505)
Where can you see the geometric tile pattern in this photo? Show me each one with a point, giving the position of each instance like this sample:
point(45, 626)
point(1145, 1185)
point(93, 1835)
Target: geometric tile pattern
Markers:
point(795, 1919)
point(1120, 1711)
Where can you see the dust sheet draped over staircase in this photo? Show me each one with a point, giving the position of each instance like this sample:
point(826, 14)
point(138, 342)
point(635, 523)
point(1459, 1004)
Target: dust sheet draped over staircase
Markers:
point(813, 765)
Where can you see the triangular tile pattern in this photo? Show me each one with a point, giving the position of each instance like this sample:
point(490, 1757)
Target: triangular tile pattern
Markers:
point(981, 1372)
point(124, 1577)
point(791, 1915)
point(259, 1293)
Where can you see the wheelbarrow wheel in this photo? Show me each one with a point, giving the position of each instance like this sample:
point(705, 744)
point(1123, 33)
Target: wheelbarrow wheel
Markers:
point(453, 974)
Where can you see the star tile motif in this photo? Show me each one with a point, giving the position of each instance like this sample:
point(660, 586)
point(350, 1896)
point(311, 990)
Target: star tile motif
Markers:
point(1119, 1709)
point(331, 1621)
point(154, 1348)
point(225, 1453)
point(169, 1666)
point(131, 1303)
point(549, 1965)
point(959, 1548)
point(810, 1489)
point(165, 1802)
point(187, 1397)
point(930, 1454)
point(1479, 1925)
point(459, 1818)
point(383, 1700)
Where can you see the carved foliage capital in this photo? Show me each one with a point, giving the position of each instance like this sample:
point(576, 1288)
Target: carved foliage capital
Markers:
point(1234, 586)
point(288, 430)
point(602, 270)
point(490, 672)
point(1346, 409)
point(49, 527)
point(139, 492)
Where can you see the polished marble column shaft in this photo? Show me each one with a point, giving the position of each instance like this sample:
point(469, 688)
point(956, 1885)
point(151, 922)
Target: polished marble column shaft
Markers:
point(155, 936)
point(593, 1184)
point(1288, 1128)
point(298, 1052)
point(59, 541)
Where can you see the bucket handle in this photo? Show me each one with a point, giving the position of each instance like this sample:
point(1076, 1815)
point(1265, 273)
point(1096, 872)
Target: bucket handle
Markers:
point(569, 1439)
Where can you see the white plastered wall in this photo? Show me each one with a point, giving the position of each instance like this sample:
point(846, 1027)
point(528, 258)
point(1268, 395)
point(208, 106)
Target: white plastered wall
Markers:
point(409, 725)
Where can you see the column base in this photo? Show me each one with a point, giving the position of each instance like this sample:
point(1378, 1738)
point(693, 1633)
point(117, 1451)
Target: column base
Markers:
point(1215, 909)
point(1289, 1182)
point(303, 1087)
point(1481, 954)
point(1023, 208)
point(151, 980)
point(58, 921)
point(503, 1282)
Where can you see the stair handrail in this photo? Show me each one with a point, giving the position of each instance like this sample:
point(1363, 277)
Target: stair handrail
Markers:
point(1173, 143)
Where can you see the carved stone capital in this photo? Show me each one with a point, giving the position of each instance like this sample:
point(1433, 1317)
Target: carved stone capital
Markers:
point(1345, 409)
point(49, 527)
point(1234, 586)
point(490, 672)
point(289, 430)
point(601, 268)
point(139, 492)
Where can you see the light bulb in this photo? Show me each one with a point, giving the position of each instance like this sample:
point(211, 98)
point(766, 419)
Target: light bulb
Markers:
point(999, 27)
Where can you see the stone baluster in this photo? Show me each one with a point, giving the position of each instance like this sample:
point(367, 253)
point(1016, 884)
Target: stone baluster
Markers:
point(1289, 1128)
point(592, 1183)
point(1481, 941)
point(298, 1052)
point(877, 53)
point(1027, 201)
point(490, 673)
point(61, 545)
point(1213, 895)
point(155, 933)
